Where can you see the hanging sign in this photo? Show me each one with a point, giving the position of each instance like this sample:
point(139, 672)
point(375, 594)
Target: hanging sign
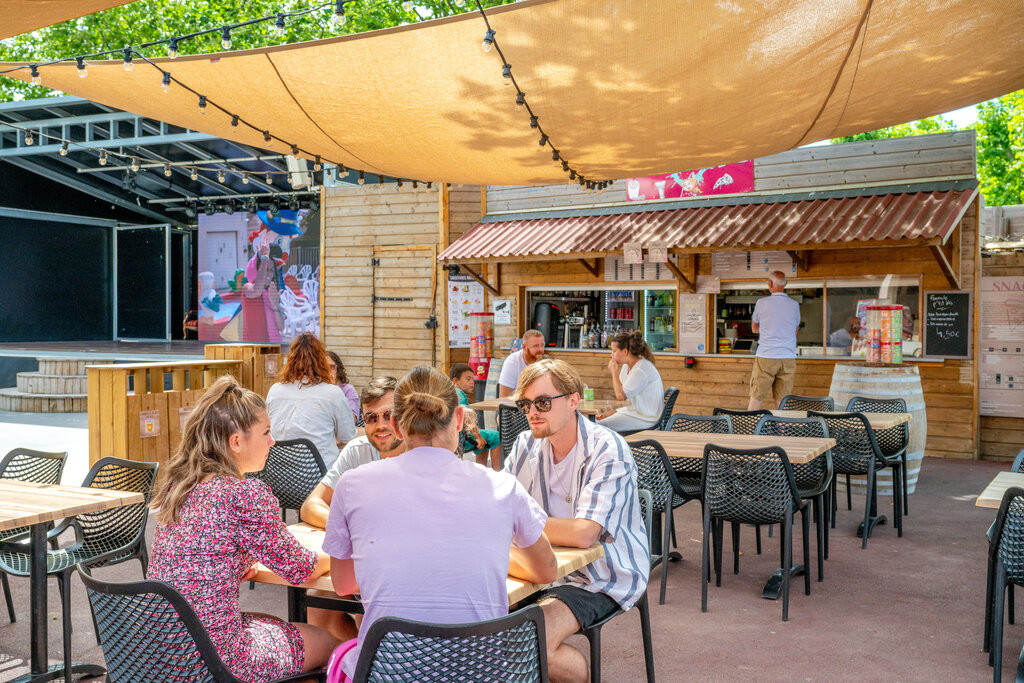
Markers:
point(632, 252)
point(465, 296)
point(502, 309)
point(692, 323)
point(149, 423)
point(657, 252)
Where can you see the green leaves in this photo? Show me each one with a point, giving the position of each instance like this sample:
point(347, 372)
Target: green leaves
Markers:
point(1000, 130)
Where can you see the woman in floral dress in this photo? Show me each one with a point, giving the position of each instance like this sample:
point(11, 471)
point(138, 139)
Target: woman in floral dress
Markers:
point(214, 524)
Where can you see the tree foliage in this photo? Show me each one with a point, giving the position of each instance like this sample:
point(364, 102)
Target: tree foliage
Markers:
point(1000, 130)
point(932, 124)
point(148, 20)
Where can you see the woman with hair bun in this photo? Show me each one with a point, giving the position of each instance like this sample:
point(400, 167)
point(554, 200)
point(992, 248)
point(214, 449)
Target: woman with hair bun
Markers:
point(637, 381)
point(426, 535)
point(214, 524)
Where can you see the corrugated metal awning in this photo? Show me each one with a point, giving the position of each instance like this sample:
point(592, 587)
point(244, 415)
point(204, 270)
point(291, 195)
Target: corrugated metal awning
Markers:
point(890, 219)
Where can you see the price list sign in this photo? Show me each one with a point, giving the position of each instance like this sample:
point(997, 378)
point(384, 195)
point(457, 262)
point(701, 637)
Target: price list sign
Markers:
point(1001, 343)
point(947, 324)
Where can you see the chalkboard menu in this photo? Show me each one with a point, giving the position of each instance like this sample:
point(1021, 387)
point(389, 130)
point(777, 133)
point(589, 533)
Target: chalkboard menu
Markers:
point(947, 324)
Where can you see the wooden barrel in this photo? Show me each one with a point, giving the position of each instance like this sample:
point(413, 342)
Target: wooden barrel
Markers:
point(859, 379)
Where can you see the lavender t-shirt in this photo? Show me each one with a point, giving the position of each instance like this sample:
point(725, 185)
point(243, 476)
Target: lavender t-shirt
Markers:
point(429, 535)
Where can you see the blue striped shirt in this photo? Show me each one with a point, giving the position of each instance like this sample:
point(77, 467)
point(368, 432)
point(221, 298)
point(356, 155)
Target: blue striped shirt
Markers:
point(604, 491)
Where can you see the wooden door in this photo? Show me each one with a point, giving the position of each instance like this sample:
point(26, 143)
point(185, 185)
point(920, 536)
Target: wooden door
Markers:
point(404, 293)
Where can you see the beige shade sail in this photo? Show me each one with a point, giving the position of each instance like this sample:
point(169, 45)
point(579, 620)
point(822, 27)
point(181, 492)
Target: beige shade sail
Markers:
point(22, 16)
point(622, 87)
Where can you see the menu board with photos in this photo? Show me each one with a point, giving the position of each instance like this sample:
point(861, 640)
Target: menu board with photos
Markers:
point(465, 296)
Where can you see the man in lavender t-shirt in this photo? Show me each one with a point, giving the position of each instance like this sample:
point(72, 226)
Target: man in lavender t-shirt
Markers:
point(429, 535)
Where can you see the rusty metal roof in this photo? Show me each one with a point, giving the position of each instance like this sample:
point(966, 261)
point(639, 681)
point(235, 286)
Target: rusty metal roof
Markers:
point(917, 216)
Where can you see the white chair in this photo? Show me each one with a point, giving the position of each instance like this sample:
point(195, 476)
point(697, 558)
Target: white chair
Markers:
point(305, 272)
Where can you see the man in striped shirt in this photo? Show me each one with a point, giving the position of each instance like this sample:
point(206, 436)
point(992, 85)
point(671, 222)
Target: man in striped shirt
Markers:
point(584, 477)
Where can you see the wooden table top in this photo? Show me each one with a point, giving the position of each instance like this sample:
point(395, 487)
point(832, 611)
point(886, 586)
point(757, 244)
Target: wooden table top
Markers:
point(25, 503)
point(569, 560)
point(586, 407)
point(799, 450)
point(992, 496)
point(876, 420)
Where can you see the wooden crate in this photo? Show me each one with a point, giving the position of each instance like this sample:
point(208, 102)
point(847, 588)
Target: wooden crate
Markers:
point(115, 409)
point(260, 363)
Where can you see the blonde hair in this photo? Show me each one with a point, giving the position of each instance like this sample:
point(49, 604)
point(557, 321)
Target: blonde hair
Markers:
point(565, 377)
point(532, 332)
point(425, 402)
point(226, 408)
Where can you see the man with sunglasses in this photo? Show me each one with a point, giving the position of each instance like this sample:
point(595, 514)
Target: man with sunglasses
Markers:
point(381, 441)
point(584, 477)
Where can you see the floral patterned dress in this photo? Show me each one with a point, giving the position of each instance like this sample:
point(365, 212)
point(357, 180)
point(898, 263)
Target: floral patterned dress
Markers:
point(225, 525)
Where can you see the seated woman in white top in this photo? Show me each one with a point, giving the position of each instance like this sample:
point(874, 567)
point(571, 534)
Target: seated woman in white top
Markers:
point(307, 404)
point(637, 381)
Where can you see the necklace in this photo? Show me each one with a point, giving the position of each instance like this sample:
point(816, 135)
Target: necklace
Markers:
point(557, 479)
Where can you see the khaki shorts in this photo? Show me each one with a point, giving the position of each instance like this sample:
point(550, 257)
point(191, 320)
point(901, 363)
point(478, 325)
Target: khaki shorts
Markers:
point(772, 378)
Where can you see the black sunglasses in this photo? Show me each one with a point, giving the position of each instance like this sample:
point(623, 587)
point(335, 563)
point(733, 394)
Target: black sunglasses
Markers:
point(542, 403)
point(371, 418)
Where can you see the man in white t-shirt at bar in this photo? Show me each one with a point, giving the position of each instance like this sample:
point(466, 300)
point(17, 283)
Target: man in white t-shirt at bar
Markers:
point(776, 320)
point(532, 351)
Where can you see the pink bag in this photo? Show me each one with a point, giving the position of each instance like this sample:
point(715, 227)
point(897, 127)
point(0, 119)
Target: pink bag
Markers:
point(334, 672)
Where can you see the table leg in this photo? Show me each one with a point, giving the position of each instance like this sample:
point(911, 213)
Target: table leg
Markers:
point(39, 661)
point(773, 587)
point(874, 519)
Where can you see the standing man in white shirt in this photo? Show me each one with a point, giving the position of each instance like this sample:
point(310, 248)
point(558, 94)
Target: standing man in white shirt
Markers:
point(532, 351)
point(776, 320)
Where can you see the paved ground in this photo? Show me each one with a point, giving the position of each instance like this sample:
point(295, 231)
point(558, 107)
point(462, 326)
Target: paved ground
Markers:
point(908, 609)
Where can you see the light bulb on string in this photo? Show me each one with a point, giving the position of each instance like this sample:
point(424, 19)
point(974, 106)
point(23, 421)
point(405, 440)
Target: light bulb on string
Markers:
point(460, 3)
point(266, 138)
point(167, 170)
point(103, 157)
point(34, 72)
point(506, 74)
point(225, 38)
point(533, 122)
point(165, 85)
point(245, 178)
point(520, 100)
point(279, 25)
point(565, 166)
point(399, 183)
point(128, 59)
point(543, 141)
point(362, 178)
point(172, 48)
point(339, 12)
point(64, 148)
point(488, 40)
point(407, 5)
point(29, 138)
point(135, 165)
point(194, 173)
point(295, 150)
point(202, 104)
point(415, 186)
point(80, 63)
point(220, 176)
point(317, 164)
point(268, 178)
point(555, 158)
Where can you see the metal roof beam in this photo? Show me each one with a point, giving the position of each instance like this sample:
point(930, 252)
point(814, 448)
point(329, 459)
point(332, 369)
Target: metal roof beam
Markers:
point(41, 124)
point(36, 150)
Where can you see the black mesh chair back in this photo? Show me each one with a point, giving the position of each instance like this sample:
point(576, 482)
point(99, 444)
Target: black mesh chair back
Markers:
point(810, 476)
point(647, 514)
point(855, 442)
point(652, 472)
point(754, 486)
point(892, 441)
point(671, 394)
point(39, 467)
point(1018, 462)
point(107, 530)
point(794, 402)
point(509, 648)
point(293, 470)
point(743, 421)
point(511, 423)
point(1005, 569)
point(1009, 536)
point(149, 632)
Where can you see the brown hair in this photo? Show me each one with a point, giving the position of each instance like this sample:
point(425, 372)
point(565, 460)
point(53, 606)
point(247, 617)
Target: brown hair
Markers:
point(226, 408)
point(377, 389)
point(425, 402)
point(634, 343)
point(458, 368)
point(342, 377)
point(565, 377)
point(307, 361)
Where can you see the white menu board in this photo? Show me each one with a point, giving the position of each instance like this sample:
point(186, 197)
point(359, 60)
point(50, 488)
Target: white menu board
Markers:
point(747, 264)
point(692, 323)
point(465, 296)
point(1001, 341)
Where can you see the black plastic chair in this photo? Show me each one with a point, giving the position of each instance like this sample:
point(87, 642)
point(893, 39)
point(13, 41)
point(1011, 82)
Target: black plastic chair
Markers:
point(39, 467)
point(857, 453)
point(1005, 568)
point(753, 486)
point(743, 421)
point(509, 648)
point(149, 632)
point(293, 470)
point(794, 402)
point(893, 441)
point(814, 478)
point(102, 538)
point(511, 423)
point(655, 475)
point(671, 394)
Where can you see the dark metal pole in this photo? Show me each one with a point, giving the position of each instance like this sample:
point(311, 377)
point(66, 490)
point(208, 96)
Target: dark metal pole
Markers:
point(37, 584)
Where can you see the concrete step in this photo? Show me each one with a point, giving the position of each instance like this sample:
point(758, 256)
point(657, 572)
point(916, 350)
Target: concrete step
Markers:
point(14, 400)
point(39, 383)
point(68, 366)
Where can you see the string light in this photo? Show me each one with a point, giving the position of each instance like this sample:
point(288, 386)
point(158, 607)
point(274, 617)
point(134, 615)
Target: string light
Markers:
point(167, 170)
point(234, 123)
point(543, 141)
point(399, 183)
point(488, 40)
point(506, 73)
point(172, 48)
point(128, 59)
point(415, 186)
point(520, 100)
point(202, 104)
point(165, 85)
point(225, 38)
point(279, 25)
point(220, 176)
point(193, 174)
point(64, 149)
point(266, 138)
point(362, 178)
point(317, 165)
point(103, 157)
point(407, 5)
point(29, 139)
point(268, 178)
point(80, 63)
point(245, 178)
point(295, 150)
point(339, 12)
point(135, 165)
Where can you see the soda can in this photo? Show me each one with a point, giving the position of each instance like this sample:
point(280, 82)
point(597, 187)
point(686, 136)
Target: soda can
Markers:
point(897, 352)
point(885, 352)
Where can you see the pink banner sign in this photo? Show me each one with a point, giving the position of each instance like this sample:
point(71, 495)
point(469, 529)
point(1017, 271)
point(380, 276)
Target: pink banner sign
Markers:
point(725, 179)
